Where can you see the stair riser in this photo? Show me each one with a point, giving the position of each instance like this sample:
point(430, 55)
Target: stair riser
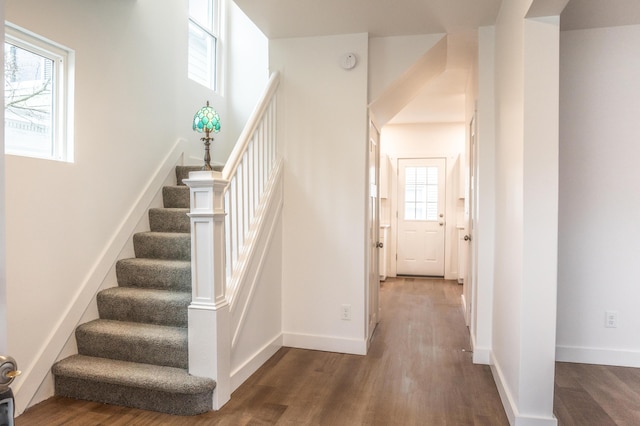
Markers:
point(176, 197)
point(162, 220)
point(170, 354)
point(162, 246)
point(182, 172)
point(132, 274)
point(145, 399)
point(145, 311)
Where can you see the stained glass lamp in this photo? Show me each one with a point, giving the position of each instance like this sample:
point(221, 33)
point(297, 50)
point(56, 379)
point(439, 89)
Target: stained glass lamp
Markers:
point(206, 121)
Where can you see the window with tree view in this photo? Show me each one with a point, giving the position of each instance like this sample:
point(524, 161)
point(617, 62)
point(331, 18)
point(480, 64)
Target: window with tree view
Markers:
point(36, 86)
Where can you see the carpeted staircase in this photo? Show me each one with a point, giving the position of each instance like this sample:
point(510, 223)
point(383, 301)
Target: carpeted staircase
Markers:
point(136, 354)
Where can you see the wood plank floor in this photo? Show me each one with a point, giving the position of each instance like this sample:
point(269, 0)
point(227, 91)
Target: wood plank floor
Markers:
point(416, 373)
point(597, 395)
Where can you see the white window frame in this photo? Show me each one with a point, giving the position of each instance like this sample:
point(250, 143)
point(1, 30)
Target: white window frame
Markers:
point(62, 89)
point(210, 25)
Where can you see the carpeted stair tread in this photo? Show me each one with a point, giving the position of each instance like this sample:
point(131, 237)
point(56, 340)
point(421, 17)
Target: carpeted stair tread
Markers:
point(162, 245)
point(176, 197)
point(149, 376)
point(149, 387)
point(169, 220)
point(151, 306)
point(136, 342)
point(165, 274)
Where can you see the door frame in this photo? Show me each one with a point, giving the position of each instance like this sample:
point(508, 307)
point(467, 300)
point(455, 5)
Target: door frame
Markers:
point(3, 253)
point(372, 232)
point(470, 216)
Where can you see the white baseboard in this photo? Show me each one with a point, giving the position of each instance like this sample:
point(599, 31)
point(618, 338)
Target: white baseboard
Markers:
point(465, 312)
point(480, 355)
point(510, 407)
point(601, 356)
point(505, 395)
point(326, 343)
point(240, 374)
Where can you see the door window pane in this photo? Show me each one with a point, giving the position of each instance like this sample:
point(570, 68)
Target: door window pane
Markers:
point(421, 193)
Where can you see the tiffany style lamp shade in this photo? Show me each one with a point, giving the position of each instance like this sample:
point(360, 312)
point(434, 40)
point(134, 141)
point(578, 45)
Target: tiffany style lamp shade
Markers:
point(206, 121)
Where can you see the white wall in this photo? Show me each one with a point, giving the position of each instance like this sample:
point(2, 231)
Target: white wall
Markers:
point(445, 140)
point(391, 57)
point(323, 136)
point(247, 59)
point(133, 101)
point(524, 304)
point(260, 333)
point(599, 239)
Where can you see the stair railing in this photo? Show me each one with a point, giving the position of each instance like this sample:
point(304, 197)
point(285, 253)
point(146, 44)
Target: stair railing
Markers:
point(248, 170)
point(223, 209)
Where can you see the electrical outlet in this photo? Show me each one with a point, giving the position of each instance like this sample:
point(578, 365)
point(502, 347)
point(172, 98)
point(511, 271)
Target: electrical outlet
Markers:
point(611, 319)
point(346, 312)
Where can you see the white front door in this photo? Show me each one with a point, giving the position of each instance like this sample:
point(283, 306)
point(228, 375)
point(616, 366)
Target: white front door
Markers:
point(421, 216)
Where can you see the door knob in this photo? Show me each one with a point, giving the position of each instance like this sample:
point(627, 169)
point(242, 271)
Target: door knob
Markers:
point(8, 371)
point(467, 237)
point(441, 223)
point(379, 244)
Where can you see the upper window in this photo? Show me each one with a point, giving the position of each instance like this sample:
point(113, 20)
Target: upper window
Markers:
point(203, 41)
point(37, 96)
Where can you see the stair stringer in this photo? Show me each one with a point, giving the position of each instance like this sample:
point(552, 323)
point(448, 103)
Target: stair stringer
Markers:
point(36, 382)
point(255, 304)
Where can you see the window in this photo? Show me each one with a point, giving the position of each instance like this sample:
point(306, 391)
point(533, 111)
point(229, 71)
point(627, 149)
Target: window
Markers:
point(37, 96)
point(203, 42)
point(421, 193)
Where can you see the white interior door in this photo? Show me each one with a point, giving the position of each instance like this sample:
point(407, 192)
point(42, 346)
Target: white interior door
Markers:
point(469, 290)
point(421, 216)
point(374, 229)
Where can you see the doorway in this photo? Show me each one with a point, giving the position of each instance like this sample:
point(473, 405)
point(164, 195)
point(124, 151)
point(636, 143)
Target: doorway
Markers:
point(421, 220)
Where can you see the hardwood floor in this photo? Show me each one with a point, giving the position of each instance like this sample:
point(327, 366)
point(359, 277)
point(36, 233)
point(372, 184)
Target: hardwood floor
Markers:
point(416, 373)
point(597, 395)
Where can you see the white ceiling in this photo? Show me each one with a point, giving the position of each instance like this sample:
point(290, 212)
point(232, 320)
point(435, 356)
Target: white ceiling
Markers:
point(582, 14)
point(305, 18)
point(442, 99)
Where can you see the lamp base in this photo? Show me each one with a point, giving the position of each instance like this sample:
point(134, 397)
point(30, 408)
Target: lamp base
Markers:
point(207, 156)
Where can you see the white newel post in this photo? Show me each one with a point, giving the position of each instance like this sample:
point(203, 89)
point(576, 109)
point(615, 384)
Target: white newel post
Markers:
point(209, 323)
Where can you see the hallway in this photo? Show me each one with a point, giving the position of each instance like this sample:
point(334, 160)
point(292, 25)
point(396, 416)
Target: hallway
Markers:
point(416, 373)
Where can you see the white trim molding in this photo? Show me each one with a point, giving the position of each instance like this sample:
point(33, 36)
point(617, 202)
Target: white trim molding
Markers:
point(326, 343)
point(511, 407)
point(601, 356)
point(250, 366)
